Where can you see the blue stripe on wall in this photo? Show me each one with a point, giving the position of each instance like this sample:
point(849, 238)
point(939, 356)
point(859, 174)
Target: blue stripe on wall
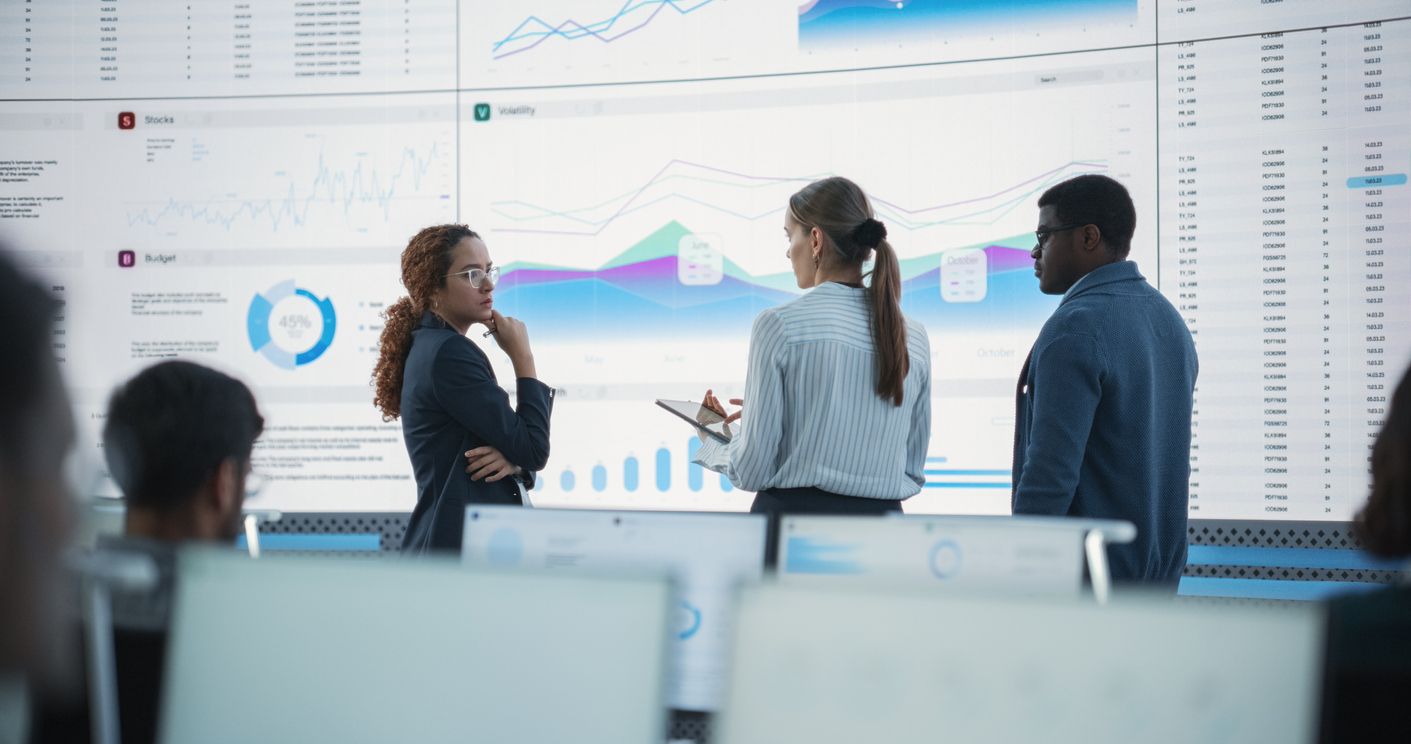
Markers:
point(1202, 586)
point(355, 542)
point(1216, 555)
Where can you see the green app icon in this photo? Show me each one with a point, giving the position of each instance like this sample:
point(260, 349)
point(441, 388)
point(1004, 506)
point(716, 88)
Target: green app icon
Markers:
point(482, 112)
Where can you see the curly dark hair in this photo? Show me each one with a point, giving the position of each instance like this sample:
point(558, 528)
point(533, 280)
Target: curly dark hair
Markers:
point(1384, 524)
point(425, 263)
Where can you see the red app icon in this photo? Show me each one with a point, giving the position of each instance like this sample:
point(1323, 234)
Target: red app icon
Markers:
point(127, 259)
point(127, 120)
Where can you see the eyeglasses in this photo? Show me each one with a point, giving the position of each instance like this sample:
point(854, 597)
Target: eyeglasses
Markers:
point(477, 276)
point(254, 483)
point(1041, 234)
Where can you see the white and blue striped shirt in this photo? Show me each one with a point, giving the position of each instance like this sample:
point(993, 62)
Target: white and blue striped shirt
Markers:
point(812, 416)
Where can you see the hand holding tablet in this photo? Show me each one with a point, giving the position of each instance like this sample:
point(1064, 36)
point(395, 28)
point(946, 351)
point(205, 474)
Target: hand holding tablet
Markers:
point(713, 404)
point(713, 423)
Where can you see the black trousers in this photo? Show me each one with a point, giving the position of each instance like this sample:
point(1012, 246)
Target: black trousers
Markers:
point(777, 502)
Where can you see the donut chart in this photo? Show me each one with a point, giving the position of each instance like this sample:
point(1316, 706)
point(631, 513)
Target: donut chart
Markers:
point(261, 321)
point(690, 620)
point(946, 559)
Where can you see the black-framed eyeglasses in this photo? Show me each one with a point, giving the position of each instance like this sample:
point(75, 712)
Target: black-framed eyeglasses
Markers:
point(1041, 234)
point(477, 276)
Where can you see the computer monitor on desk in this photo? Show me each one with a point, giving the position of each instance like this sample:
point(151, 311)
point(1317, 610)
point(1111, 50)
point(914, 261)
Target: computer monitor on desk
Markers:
point(1031, 555)
point(709, 555)
point(300, 649)
point(849, 663)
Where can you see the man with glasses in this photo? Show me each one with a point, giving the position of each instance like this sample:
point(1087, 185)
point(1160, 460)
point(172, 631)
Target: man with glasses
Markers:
point(1103, 405)
point(178, 440)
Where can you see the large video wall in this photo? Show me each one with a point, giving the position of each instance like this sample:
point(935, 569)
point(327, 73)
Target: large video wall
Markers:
point(233, 183)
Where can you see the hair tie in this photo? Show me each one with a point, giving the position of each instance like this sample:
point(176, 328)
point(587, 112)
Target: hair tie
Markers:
point(869, 233)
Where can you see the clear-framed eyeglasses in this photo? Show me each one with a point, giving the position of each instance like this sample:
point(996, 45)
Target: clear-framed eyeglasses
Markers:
point(477, 277)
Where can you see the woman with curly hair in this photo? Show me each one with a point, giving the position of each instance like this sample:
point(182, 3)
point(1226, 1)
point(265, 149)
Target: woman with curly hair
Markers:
point(467, 444)
point(1369, 634)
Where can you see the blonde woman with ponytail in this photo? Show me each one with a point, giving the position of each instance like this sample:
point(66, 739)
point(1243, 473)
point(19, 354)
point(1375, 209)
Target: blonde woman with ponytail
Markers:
point(467, 444)
point(837, 406)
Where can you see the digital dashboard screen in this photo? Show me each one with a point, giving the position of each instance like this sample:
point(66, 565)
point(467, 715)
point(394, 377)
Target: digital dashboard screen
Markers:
point(235, 184)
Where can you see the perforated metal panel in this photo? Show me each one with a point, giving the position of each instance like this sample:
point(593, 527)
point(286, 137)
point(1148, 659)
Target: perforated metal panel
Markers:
point(1272, 534)
point(690, 726)
point(1312, 536)
point(1293, 574)
point(1337, 535)
point(1278, 559)
point(391, 526)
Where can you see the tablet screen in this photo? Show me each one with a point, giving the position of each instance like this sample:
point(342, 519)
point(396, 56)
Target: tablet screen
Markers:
point(702, 418)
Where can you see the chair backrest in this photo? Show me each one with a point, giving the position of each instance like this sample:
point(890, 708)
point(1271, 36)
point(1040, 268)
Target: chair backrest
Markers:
point(708, 555)
point(299, 649)
point(1034, 555)
point(846, 664)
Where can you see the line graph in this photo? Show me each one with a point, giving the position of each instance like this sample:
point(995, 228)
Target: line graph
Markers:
point(687, 181)
point(347, 191)
point(533, 31)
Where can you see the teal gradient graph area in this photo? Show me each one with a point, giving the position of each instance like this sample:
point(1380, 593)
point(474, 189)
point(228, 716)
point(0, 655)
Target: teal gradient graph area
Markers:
point(638, 295)
point(824, 23)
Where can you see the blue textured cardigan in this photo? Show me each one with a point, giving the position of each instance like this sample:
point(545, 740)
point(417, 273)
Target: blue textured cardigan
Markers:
point(1103, 419)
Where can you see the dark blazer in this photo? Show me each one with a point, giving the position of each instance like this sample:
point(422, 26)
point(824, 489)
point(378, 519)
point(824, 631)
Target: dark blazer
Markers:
point(1103, 419)
point(452, 403)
